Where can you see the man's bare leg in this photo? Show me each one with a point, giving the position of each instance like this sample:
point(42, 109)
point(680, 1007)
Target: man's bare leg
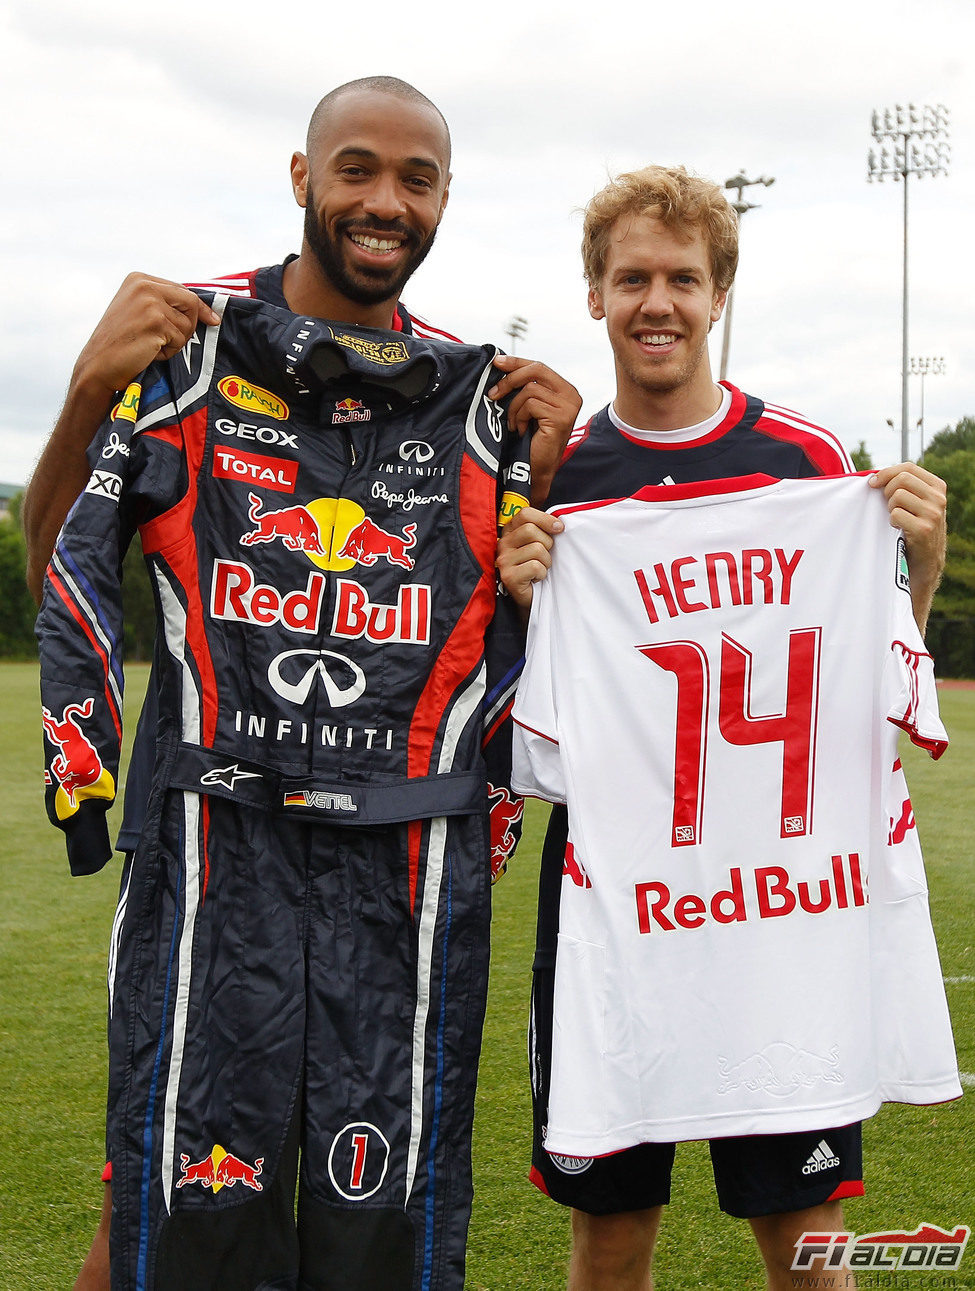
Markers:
point(613, 1252)
point(777, 1236)
point(94, 1271)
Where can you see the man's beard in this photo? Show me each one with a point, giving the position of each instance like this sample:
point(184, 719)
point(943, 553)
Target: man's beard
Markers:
point(363, 285)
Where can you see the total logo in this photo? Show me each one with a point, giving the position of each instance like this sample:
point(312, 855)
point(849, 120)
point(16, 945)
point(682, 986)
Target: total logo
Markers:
point(237, 596)
point(220, 1170)
point(334, 533)
point(278, 473)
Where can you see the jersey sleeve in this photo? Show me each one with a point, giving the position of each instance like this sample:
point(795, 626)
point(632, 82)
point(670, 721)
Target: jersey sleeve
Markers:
point(504, 652)
point(536, 760)
point(915, 698)
point(79, 632)
point(910, 677)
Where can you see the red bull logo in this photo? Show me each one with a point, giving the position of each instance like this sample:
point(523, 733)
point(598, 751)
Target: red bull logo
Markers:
point(77, 766)
point(237, 595)
point(333, 533)
point(900, 828)
point(350, 410)
point(407, 621)
point(221, 1169)
point(506, 812)
point(574, 869)
point(777, 894)
point(780, 1069)
point(367, 543)
point(295, 526)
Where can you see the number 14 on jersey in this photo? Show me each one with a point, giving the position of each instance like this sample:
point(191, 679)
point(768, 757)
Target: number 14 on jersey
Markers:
point(794, 728)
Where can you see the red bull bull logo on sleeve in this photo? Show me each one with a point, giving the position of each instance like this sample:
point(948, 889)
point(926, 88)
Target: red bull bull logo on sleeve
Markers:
point(76, 766)
point(506, 811)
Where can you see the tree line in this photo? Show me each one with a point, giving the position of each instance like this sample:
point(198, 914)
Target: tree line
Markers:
point(951, 629)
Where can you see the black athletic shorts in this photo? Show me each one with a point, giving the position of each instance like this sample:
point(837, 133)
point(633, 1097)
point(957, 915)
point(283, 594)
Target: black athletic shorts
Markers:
point(761, 1174)
point(756, 1174)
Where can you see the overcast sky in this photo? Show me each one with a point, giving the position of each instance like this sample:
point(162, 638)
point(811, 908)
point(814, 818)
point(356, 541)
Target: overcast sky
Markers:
point(159, 139)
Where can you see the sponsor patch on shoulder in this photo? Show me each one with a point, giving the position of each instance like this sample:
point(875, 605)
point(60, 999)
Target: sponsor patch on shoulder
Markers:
point(903, 578)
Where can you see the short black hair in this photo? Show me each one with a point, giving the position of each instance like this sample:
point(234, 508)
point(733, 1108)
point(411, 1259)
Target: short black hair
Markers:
point(391, 85)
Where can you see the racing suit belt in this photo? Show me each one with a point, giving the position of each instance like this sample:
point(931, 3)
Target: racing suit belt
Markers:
point(382, 802)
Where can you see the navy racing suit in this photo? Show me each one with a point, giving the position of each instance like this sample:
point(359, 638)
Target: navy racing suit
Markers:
point(300, 953)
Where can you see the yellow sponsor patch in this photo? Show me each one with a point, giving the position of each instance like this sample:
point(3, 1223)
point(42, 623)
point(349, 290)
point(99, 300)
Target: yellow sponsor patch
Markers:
point(252, 398)
point(511, 504)
point(384, 352)
point(127, 409)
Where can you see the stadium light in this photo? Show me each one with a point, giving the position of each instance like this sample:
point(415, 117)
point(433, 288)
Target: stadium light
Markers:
point(516, 329)
point(925, 368)
point(739, 183)
point(912, 141)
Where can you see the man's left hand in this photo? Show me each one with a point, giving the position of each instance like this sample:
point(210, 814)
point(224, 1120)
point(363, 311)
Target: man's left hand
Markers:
point(918, 503)
point(543, 397)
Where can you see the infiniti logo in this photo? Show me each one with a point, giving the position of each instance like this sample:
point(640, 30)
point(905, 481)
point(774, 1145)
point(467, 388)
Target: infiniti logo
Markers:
point(415, 450)
point(344, 681)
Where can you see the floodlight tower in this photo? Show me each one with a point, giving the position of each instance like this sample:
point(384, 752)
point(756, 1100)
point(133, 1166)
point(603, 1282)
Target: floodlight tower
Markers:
point(739, 183)
point(516, 329)
point(913, 141)
point(925, 368)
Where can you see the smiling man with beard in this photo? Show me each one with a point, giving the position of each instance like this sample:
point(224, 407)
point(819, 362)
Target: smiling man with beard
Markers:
point(374, 186)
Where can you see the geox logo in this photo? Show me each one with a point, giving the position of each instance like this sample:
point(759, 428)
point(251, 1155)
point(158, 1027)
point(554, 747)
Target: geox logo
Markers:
point(821, 1159)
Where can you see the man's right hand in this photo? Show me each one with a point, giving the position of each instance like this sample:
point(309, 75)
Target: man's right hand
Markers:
point(525, 552)
point(149, 318)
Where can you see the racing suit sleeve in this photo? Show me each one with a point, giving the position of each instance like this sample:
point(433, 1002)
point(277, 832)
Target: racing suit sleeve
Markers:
point(79, 632)
point(504, 651)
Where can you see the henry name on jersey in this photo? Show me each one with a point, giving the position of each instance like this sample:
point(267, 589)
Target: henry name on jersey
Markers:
point(721, 578)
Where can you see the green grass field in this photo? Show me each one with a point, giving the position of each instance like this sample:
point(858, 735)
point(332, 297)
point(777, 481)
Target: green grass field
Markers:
point(920, 1162)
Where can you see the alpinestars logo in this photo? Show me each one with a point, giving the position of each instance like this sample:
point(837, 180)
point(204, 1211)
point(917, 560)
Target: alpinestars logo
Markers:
point(823, 1158)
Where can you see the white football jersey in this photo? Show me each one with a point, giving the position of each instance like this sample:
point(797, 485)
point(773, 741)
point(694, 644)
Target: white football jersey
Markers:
point(716, 677)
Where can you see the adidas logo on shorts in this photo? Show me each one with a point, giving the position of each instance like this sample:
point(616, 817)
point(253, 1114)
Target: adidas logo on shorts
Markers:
point(822, 1159)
